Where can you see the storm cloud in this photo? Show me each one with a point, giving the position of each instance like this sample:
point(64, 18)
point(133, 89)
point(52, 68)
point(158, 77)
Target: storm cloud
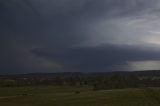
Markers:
point(100, 58)
point(78, 35)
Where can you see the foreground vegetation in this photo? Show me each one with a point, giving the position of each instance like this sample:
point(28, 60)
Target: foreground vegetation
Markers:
point(78, 96)
point(81, 89)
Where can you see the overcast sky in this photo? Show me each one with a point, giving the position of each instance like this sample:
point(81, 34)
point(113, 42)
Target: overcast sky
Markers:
point(79, 35)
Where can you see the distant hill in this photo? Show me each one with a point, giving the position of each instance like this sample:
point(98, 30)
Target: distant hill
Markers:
point(146, 73)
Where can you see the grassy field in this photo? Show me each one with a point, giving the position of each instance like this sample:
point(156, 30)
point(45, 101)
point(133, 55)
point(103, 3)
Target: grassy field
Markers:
point(66, 96)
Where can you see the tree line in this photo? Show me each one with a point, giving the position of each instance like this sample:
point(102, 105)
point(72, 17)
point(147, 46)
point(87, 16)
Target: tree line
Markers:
point(113, 81)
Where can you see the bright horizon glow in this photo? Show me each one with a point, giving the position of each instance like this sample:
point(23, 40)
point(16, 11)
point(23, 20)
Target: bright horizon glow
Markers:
point(144, 65)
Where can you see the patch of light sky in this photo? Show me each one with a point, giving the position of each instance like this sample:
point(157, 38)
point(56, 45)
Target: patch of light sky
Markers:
point(143, 65)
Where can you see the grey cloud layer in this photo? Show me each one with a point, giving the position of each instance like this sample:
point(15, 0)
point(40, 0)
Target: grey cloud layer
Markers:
point(61, 24)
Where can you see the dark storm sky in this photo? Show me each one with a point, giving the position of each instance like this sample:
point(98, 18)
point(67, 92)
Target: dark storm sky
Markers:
point(79, 35)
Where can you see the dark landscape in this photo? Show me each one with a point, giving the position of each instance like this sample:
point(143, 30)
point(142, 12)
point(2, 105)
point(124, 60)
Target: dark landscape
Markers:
point(141, 88)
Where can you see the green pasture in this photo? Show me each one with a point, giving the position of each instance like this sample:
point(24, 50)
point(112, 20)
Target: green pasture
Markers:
point(78, 96)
